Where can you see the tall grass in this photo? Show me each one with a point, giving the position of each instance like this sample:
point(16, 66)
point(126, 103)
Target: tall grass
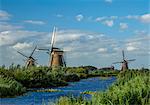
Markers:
point(131, 88)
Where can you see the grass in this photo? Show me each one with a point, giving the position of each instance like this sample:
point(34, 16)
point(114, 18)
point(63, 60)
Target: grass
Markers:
point(10, 87)
point(131, 88)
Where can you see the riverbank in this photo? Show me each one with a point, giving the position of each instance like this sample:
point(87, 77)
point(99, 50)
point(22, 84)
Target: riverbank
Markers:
point(44, 77)
point(131, 88)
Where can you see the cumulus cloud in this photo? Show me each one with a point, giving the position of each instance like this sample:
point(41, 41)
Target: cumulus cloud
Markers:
point(79, 17)
point(99, 19)
point(131, 48)
point(123, 26)
point(145, 18)
point(132, 16)
point(138, 44)
point(36, 22)
point(12, 37)
point(4, 15)
point(109, 23)
point(20, 46)
point(102, 50)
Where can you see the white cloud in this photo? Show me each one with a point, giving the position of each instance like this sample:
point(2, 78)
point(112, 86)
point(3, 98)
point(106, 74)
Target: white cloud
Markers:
point(123, 26)
point(20, 46)
point(8, 27)
point(35, 22)
point(102, 50)
point(109, 23)
point(11, 37)
point(138, 44)
point(145, 18)
point(132, 17)
point(4, 15)
point(99, 19)
point(131, 48)
point(108, 1)
point(79, 17)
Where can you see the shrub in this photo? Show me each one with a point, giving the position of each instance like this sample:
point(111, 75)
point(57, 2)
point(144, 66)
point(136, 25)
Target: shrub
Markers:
point(10, 87)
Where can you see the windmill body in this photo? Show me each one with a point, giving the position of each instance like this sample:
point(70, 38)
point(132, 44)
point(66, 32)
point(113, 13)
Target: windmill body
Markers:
point(124, 65)
point(30, 62)
point(57, 58)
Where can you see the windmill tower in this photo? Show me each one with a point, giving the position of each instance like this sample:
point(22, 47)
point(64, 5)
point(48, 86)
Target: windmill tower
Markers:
point(56, 54)
point(124, 62)
point(30, 61)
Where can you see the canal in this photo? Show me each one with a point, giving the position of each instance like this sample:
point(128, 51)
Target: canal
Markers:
point(74, 88)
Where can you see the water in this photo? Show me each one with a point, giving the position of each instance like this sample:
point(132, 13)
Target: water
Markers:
point(74, 88)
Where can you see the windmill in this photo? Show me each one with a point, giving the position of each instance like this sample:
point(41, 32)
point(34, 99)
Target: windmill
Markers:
point(30, 61)
point(124, 62)
point(56, 54)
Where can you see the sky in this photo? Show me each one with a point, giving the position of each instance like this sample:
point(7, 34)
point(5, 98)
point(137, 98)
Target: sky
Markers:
point(91, 32)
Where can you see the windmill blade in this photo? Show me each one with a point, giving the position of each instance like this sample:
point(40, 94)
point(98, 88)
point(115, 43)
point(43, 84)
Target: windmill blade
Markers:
point(33, 51)
point(117, 62)
point(22, 54)
point(43, 49)
point(123, 54)
point(53, 38)
point(64, 59)
point(131, 60)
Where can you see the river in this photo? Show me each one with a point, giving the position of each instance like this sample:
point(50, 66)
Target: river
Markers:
point(74, 88)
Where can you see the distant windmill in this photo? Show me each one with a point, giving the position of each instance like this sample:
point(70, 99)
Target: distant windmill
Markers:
point(30, 61)
point(124, 62)
point(56, 54)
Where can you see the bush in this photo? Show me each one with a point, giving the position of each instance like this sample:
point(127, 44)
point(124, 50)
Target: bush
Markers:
point(10, 87)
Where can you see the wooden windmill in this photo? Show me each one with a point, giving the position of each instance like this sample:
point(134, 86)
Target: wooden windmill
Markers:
point(124, 62)
point(30, 61)
point(56, 54)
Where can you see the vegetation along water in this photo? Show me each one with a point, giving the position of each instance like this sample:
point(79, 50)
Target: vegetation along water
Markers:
point(131, 88)
point(20, 79)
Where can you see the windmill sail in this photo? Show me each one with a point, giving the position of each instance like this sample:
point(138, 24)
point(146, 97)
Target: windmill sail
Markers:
point(123, 54)
point(131, 60)
point(33, 51)
point(22, 54)
point(53, 38)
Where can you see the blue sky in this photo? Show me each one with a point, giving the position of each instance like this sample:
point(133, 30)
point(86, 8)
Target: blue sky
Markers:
point(93, 32)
